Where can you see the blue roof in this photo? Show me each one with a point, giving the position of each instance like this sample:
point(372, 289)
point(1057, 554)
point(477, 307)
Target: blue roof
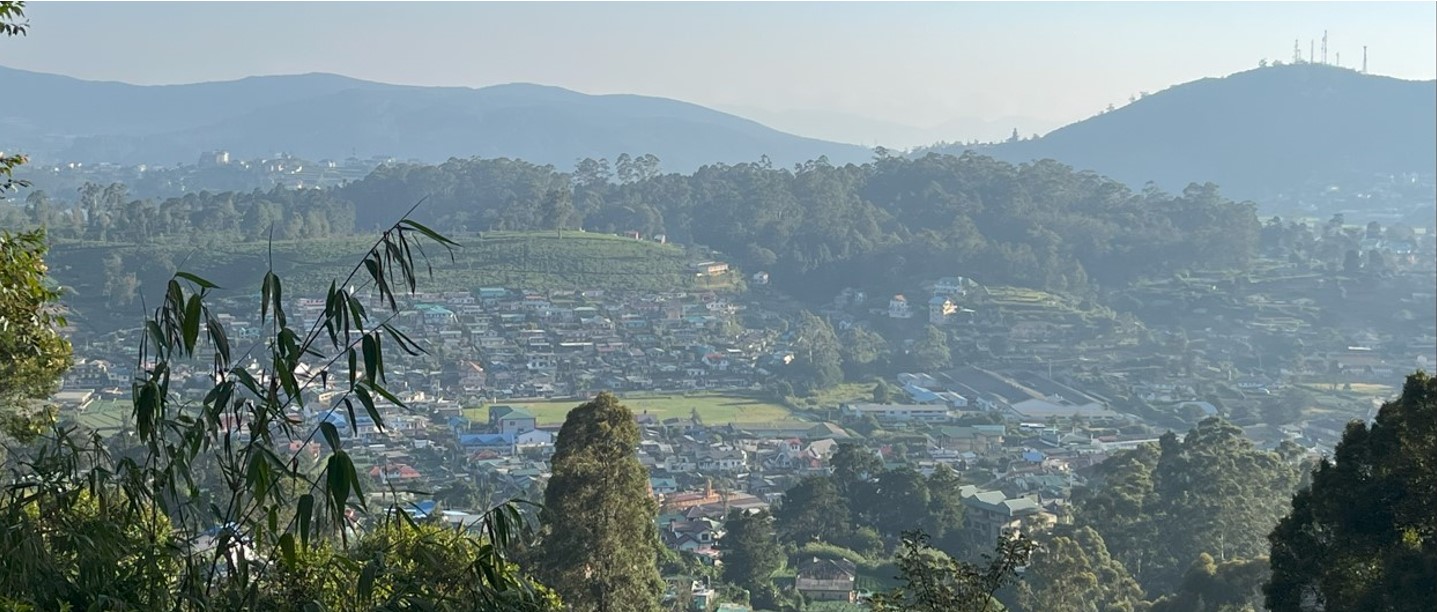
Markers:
point(422, 508)
point(485, 439)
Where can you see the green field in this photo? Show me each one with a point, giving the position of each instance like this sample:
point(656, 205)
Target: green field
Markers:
point(104, 416)
point(713, 408)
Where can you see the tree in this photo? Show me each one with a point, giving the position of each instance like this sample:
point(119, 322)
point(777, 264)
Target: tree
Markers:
point(600, 545)
point(863, 351)
point(901, 492)
point(558, 210)
point(935, 582)
point(1073, 571)
point(931, 353)
point(1376, 264)
point(812, 510)
point(1209, 586)
point(1363, 536)
point(854, 468)
point(12, 14)
point(33, 353)
point(1351, 263)
point(945, 510)
point(817, 364)
point(882, 393)
point(751, 554)
point(1209, 492)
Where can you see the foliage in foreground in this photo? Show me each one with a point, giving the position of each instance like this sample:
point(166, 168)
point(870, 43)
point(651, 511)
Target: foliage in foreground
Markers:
point(125, 523)
point(1364, 535)
point(935, 582)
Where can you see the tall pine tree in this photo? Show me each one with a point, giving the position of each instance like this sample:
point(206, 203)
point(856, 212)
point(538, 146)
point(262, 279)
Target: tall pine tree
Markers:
point(751, 555)
point(600, 544)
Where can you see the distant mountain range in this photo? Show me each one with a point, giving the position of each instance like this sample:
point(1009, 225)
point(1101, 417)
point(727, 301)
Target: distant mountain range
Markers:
point(857, 129)
point(1253, 133)
point(318, 116)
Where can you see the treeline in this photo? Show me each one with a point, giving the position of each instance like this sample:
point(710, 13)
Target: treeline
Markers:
point(818, 226)
point(108, 214)
point(815, 227)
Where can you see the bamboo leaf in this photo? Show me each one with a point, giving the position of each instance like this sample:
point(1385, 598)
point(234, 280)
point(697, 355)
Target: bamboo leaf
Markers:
point(365, 588)
point(337, 481)
point(331, 434)
point(305, 515)
point(191, 322)
point(428, 233)
point(286, 547)
point(202, 283)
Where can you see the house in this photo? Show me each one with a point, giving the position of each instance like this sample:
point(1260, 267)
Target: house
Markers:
point(534, 438)
point(979, 439)
point(898, 308)
point(827, 580)
point(663, 485)
point(697, 535)
point(940, 309)
point(988, 514)
point(500, 444)
point(760, 278)
point(950, 286)
point(722, 460)
point(434, 314)
point(396, 472)
point(510, 420)
point(710, 268)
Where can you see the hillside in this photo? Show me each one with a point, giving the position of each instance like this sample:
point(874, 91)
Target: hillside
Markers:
point(1254, 133)
point(528, 260)
point(319, 116)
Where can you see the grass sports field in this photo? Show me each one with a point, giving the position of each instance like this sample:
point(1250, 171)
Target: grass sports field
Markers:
point(713, 408)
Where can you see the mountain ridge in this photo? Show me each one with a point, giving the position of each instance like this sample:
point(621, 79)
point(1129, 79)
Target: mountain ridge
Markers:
point(257, 116)
point(1254, 133)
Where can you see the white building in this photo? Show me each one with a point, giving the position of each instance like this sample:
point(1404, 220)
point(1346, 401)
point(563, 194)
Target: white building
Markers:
point(898, 308)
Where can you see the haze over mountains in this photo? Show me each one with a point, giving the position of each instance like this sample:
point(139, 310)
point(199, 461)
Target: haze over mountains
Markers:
point(319, 116)
point(1252, 133)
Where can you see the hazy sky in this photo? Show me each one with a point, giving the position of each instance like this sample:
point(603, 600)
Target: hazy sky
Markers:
point(915, 64)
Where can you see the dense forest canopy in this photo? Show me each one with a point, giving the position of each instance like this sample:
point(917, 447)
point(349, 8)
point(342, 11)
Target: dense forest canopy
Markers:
point(815, 227)
point(820, 225)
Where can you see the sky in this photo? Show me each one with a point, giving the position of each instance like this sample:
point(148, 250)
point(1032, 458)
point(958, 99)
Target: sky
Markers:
point(852, 71)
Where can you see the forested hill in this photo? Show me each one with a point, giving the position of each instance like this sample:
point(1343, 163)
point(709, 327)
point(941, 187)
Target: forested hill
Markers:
point(317, 116)
point(1255, 133)
point(885, 225)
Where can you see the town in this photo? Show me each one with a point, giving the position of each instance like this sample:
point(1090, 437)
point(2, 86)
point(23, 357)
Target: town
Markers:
point(1038, 392)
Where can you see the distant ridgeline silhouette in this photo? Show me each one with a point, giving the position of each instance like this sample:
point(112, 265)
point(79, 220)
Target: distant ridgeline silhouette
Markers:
point(318, 116)
point(1253, 133)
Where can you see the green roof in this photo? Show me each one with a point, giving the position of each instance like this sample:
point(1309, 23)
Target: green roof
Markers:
point(508, 412)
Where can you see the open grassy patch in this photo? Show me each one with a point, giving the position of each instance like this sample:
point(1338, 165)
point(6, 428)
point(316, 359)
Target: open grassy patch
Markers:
point(104, 416)
point(843, 394)
point(713, 408)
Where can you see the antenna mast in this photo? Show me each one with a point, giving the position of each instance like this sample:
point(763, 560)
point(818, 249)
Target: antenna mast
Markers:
point(1364, 59)
point(1296, 52)
point(1311, 51)
point(1324, 46)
